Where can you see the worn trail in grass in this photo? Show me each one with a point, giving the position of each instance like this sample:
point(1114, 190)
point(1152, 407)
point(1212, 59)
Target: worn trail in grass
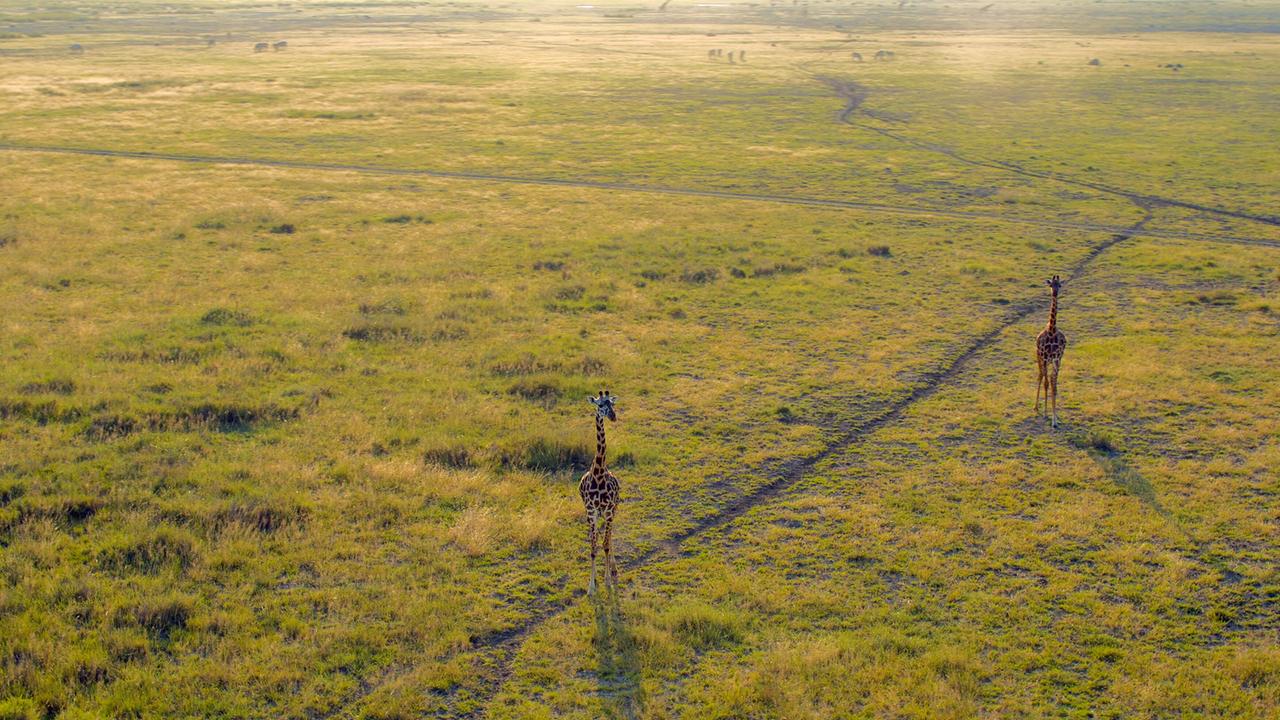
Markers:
point(625, 187)
point(855, 95)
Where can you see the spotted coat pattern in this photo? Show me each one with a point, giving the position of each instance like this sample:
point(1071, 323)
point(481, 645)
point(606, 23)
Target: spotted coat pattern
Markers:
point(599, 491)
point(1050, 346)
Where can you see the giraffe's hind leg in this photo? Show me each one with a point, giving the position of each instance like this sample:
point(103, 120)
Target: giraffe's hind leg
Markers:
point(610, 566)
point(591, 538)
point(1040, 381)
point(1057, 364)
point(1046, 392)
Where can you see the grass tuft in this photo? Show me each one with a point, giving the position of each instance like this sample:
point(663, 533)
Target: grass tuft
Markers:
point(544, 392)
point(127, 645)
point(159, 617)
point(11, 490)
point(700, 277)
point(223, 316)
point(571, 292)
point(705, 627)
point(61, 510)
point(552, 456)
point(1257, 668)
point(55, 386)
point(19, 708)
point(383, 333)
point(207, 416)
point(1096, 441)
point(455, 457)
point(526, 364)
point(263, 516)
point(157, 549)
point(777, 269)
point(403, 219)
point(475, 530)
point(385, 307)
point(41, 413)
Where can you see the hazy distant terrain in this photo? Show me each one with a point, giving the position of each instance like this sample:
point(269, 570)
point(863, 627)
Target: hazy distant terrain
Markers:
point(297, 341)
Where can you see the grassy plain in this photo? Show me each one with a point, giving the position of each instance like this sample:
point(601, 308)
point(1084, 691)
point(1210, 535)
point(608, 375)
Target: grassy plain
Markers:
point(303, 441)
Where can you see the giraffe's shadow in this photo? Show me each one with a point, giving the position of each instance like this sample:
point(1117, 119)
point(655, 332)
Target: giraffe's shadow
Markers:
point(619, 673)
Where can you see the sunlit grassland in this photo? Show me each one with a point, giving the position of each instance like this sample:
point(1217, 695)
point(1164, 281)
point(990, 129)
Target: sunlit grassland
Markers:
point(514, 99)
point(623, 104)
point(277, 404)
point(964, 562)
point(293, 442)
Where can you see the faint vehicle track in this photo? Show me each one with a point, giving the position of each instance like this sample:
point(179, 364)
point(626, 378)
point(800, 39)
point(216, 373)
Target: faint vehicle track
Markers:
point(504, 644)
point(887, 208)
point(854, 95)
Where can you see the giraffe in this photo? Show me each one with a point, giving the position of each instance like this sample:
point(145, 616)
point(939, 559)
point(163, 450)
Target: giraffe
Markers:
point(1050, 344)
point(599, 491)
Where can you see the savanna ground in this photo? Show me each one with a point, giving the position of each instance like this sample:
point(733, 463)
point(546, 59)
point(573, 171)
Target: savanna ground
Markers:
point(289, 428)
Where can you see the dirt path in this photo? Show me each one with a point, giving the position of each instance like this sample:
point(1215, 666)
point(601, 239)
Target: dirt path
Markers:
point(503, 646)
point(886, 208)
point(854, 95)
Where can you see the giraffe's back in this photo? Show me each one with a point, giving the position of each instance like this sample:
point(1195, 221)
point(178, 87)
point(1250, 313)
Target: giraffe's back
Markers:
point(1051, 345)
point(599, 491)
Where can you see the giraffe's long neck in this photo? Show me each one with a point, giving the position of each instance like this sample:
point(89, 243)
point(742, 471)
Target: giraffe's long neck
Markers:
point(1053, 313)
point(599, 461)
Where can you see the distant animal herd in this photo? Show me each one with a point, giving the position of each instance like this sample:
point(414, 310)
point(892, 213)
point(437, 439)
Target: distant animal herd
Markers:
point(78, 49)
point(717, 53)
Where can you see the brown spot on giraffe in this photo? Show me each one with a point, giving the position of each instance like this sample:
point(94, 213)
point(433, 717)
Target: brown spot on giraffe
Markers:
point(1050, 345)
point(599, 491)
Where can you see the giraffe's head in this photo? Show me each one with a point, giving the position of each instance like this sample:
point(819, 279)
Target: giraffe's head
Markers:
point(604, 405)
point(1055, 283)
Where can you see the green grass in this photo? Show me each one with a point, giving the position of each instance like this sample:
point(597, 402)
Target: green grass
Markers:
point(292, 442)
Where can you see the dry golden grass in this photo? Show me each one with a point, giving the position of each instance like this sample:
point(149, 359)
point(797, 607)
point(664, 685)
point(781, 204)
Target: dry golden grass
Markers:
point(304, 442)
